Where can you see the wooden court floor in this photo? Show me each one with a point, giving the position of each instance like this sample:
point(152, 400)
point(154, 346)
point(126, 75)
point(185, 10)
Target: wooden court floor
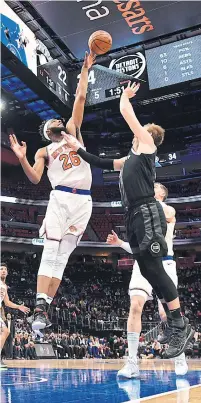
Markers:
point(191, 394)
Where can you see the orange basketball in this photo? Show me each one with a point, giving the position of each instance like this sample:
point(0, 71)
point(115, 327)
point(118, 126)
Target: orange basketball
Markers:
point(100, 42)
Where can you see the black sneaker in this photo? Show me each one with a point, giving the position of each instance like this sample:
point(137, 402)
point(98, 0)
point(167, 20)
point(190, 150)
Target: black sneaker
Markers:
point(3, 366)
point(31, 318)
point(40, 321)
point(179, 340)
point(167, 331)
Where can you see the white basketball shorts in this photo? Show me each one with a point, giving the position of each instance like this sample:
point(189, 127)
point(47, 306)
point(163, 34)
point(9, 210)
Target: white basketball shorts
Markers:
point(140, 286)
point(67, 213)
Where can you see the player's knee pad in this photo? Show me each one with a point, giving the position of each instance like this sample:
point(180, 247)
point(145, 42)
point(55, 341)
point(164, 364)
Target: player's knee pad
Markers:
point(66, 247)
point(48, 259)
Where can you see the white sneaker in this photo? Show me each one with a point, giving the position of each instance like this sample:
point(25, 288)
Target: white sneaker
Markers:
point(129, 370)
point(181, 366)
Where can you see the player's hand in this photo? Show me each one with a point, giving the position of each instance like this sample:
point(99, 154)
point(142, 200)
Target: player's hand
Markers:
point(113, 239)
point(71, 141)
point(24, 309)
point(19, 150)
point(131, 89)
point(89, 60)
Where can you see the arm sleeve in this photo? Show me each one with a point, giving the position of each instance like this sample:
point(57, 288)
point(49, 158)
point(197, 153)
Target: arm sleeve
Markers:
point(126, 247)
point(104, 163)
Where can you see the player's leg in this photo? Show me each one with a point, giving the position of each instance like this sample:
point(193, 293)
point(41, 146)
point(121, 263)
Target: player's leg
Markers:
point(147, 227)
point(68, 223)
point(52, 231)
point(66, 248)
point(164, 313)
point(44, 278)
point(181, 366)
point(139, 290)
point(4, 333)
point(79, 213)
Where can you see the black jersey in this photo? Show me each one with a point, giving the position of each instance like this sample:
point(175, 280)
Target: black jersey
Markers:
point(137, 178)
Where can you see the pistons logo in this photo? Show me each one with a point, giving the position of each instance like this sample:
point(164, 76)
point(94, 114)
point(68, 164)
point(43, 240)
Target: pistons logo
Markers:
point(155, 247)
point(133, 65)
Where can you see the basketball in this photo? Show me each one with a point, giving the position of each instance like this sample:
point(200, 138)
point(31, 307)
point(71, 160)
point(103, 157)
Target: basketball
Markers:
point(100, 42)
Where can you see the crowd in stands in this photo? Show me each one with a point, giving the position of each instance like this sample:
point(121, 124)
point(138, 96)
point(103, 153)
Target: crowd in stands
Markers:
point(93, 296)
point(94, 293)
point(17, 185)
point(68, 345)
point(101, 222)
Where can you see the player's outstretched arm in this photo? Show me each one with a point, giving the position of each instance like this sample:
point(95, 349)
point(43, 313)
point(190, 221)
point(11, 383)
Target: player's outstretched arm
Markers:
point(75, 122)
point(104, 163)
point(34, 173)
point(128, 114)
point(113, 239)
point(12, 305)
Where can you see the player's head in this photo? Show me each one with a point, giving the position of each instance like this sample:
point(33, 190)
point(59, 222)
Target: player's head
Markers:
point(3, 271)
point(157, 133)
point(8, 316)
point(161, 192)
point(51, 129)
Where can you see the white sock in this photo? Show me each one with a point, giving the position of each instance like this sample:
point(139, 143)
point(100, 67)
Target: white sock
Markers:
point(41, 295)
point(49, 300)
point(133, 343)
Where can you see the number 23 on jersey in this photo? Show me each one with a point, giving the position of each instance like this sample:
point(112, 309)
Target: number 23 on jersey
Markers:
point(70, 160)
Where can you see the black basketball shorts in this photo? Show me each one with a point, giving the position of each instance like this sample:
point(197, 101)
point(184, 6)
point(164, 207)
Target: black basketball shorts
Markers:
point(146, 229)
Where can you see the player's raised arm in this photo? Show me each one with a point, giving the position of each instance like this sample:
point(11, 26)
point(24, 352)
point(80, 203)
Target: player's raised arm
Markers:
point(34, 173)
point(143, 133)
point(104, 163)
point(75, 122)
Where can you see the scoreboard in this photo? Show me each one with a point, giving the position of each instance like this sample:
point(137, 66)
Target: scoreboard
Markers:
point(54, 76)
point(174, 63)
point(155, 68)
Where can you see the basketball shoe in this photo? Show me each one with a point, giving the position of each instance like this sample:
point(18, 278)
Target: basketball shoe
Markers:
point(181, 366)
point(129, 370)
point(41, 320)
point(179, 339)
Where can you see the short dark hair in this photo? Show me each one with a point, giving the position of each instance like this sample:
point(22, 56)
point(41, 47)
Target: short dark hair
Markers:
point(3, 264)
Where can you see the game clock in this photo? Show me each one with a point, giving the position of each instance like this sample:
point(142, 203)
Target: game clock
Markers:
point(115, 92)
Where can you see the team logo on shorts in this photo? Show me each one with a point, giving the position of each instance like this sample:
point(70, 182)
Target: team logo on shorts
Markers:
point(155, 247)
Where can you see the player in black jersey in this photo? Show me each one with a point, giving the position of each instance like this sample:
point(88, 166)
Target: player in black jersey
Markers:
point(145, 219)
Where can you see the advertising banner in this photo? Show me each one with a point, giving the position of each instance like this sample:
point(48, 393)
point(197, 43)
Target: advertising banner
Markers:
point(128, 22)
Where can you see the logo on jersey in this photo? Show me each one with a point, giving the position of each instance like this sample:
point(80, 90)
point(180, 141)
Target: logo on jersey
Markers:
point(155, 247)
point(133, 65)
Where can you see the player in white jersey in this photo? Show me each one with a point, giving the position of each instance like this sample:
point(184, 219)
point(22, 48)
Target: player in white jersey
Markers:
point(4, 332)
point(140, 290)
point(70, 205)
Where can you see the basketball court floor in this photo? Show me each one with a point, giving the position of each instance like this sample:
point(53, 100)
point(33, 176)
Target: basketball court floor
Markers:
point(95, 381)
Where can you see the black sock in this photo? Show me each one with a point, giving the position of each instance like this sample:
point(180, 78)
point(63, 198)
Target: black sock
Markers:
point(41, 304)
point(177, 318)
point(167, 311)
